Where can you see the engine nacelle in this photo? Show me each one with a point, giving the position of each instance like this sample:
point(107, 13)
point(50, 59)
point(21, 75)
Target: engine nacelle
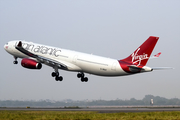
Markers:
point(31, 64)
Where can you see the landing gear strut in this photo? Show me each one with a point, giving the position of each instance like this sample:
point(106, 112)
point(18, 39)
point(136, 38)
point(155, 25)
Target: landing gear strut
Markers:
point(15, 61)
point(56, 75)
point(81, 75)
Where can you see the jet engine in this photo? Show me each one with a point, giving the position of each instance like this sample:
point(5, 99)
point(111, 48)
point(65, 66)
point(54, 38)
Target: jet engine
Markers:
point(31, 64)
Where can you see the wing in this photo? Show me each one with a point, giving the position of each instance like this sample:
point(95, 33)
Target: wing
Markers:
point(41, 59)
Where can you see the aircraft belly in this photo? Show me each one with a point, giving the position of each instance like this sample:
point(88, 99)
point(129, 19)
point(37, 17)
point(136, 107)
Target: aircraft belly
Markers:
point(96, 70)
point(100, 66)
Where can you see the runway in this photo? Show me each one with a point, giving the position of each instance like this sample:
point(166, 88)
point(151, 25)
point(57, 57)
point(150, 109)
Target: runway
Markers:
point(99, 110)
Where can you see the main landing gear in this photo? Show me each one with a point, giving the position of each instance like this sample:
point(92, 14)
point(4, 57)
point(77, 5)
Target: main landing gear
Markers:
point(81, 75)
point(56, 75)
point(15, 61)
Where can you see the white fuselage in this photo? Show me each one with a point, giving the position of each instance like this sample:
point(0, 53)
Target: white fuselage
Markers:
point(75, 61)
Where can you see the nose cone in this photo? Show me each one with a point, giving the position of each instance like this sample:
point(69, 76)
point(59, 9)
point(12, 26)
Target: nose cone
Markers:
point(6, 47)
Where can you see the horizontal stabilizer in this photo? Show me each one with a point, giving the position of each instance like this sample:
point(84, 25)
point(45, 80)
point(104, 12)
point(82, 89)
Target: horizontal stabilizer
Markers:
point(157, 55)
point(162, 68)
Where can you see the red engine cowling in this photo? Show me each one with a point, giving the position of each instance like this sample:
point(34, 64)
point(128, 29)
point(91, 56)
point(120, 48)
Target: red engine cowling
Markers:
point(31, 64)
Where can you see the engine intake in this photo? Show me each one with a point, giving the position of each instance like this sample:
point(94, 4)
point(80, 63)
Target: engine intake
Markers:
point(31, 64)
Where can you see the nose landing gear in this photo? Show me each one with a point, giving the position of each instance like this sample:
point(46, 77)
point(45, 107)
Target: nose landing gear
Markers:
point(15, 61)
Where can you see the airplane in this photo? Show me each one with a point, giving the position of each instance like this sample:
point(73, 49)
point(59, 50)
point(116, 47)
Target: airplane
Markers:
point(34, 55)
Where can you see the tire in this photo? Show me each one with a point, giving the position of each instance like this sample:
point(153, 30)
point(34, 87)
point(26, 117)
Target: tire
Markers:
point(85, 79)
point(82, 79)
point(60, 78)
point(56, 78)
point(15, 62)
point(53, 74)
point(79, 75)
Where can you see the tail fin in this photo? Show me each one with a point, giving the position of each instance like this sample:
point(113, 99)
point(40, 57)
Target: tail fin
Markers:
point(141, 55)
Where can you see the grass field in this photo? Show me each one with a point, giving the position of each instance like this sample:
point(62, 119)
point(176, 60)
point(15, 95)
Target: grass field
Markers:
point(79, 115)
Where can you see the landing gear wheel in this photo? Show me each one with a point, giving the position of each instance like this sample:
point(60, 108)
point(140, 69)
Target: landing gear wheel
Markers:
point(53, 74)
point(60, 78)
point(79, 75)
point(85, 79)
point(82, 79)
point(15, 62)
point(56, 78)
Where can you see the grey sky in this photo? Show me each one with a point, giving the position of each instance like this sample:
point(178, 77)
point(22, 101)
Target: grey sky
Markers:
point(113, 28)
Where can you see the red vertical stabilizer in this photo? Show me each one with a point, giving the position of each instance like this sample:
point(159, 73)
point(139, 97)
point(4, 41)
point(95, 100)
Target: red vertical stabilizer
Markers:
point(141, 55)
